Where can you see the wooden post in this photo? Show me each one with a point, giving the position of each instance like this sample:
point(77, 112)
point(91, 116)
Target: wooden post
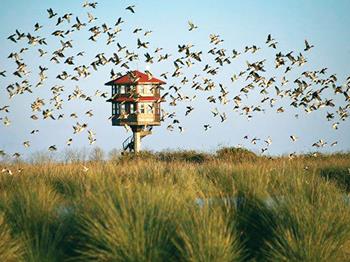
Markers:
point(137, 140)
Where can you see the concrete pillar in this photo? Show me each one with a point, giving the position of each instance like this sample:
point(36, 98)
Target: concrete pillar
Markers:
point(137, 141)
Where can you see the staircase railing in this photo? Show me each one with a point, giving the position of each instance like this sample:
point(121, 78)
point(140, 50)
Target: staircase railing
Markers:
point(128, 142)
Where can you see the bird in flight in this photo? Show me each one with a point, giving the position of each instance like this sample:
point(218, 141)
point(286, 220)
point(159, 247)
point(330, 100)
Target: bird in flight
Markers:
point(192, 26)
point(131, 8)
point(307, 46)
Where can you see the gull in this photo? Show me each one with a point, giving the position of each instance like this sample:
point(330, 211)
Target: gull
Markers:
point(223, 117)
point(119, 21)
point(206, 127)
point(280, 110)
point(215, 112)
point(48, 113)
point(273, 45)
point(59, 21)
point(319, 143)
point(12, 38)
point(34, 131)
point(323, 70)
point(69, 141)
point(42, 52)
point(89, 113)
point(334, 143)
point(269, 39)
point(189, 110)
point(92, 4)
point(335, 125)
point(192, 26)
point(268, 141)
point(34, 117)
point(91, 18)
point(142, 44)
point(294, 138)
point(85, 169)
point(149, 58)
point(148, 33)
point(16, 155)
point(2, 73)
point(37, 27)
point(91, 137)
point(6, 121)
point(137, 30)
point(307, 46)
point(127, 128)
point(5, 108)
point(67, 17)
point(58, 33)
point(131, 8)
point(51, 13)
point(181, 129)
point(149, 74)
point(254, 140)
point(79, 128)
point(78, 25)
point(7, 170)
point(52, 148)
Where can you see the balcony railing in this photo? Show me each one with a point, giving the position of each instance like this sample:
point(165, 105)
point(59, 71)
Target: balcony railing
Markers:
point(135, 119)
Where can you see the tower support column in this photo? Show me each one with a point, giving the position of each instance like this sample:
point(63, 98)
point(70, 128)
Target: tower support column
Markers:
point(137, 140)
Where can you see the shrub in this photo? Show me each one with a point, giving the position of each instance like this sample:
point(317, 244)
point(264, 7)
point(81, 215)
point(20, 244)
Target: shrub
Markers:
point(236, 154)
point(31, 212)
point(10, 248)
point(339, 175)
point(208, 235)
point(128, 225)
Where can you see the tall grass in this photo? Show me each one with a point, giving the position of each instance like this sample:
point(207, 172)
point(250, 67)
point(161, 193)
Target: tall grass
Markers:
point(177, 206)
point(207, 234)
point(129, 225)
point(32, 213)
point(10, 248)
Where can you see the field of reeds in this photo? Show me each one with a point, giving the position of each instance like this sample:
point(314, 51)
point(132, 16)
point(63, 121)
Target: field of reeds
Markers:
point(231, 205)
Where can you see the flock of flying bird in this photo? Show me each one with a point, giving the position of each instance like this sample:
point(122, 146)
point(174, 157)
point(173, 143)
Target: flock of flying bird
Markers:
point(309, 92)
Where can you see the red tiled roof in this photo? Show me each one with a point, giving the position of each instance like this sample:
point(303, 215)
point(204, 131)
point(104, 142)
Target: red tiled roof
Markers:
point(135, 77)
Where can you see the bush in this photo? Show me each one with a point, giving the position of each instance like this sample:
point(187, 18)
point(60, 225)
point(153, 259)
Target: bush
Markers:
point(187, 156)
point(238, 155)
point(339, 175)
point(32, 216)
point(128, 225)
point(10, 248)
point(208, 235)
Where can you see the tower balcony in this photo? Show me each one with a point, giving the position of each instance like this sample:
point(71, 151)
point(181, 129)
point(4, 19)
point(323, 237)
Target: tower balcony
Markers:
point(136, 119)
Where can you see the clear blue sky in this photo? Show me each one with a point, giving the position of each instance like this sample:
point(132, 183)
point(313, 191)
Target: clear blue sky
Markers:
point(240, 23)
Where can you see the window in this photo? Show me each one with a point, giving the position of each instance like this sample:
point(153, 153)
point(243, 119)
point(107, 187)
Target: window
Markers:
point(122, 89)
point(122, 108)
point(117, 110)
point(145, 90)
point(142, 108)
point(146, 108)
point(132, 108)
point(149, 108)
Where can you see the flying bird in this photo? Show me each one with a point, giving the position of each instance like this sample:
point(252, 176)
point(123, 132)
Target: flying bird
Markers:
point(307, 46)
point(192, 26)
point(131, 8)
